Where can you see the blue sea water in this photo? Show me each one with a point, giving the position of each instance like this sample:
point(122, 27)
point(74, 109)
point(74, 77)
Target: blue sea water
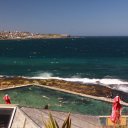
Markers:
point(88, 59)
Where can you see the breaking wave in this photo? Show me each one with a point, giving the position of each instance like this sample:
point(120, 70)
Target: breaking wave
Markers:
point(113, 83)
point(117, 84)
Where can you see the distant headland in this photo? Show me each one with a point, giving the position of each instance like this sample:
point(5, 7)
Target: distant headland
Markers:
point(7, 35)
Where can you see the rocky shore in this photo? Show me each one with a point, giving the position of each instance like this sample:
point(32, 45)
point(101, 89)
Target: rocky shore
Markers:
point(77, 88)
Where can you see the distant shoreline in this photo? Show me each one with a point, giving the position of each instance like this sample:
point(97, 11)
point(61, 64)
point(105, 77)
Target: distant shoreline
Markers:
point(27, 36)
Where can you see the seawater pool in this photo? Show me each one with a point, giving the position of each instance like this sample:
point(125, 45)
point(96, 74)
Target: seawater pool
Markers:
point(34, 96)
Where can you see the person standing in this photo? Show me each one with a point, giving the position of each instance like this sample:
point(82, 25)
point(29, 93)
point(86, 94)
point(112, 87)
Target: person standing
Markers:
point(7, 99)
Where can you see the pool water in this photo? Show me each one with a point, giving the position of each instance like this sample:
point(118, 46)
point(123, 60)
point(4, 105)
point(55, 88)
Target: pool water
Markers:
point(34, 96)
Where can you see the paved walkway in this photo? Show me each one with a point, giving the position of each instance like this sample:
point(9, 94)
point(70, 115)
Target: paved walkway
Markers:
point(78, 121)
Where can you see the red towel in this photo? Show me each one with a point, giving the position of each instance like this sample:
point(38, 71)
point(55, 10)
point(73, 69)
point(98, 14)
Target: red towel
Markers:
point(116, 110)
point(7, 99)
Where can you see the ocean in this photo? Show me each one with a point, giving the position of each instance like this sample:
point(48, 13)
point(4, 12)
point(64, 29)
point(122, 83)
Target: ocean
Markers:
point(92, 60)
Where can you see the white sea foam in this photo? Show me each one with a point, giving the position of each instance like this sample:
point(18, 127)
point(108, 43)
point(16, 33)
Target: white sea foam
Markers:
point(110, 82)
point(123, 88)
point(43, 75)
point(104, 81)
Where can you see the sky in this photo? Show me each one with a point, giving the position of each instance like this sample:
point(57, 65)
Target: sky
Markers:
point(74, 17)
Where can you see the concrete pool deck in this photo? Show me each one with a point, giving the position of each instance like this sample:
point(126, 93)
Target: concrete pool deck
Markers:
point(26, 117)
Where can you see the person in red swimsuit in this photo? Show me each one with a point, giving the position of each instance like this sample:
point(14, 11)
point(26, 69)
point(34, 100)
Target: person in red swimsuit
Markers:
point(7, 99)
